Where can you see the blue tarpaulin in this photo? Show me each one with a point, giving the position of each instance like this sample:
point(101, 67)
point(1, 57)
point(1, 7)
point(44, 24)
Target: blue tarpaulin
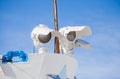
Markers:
point(10, 56)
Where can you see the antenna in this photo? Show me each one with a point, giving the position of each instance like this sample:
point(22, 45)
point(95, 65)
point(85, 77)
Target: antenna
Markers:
point(57, 49)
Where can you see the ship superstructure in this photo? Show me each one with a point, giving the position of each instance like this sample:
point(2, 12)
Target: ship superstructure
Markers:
point(45, 65)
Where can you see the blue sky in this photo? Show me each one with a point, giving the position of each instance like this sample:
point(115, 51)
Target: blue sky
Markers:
point(19, 17)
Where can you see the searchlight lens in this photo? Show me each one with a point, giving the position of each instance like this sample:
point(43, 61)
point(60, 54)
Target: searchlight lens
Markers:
point(44, 38)
point(71, 36)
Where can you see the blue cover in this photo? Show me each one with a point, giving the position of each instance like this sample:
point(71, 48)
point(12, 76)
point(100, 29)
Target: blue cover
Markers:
point(9, 57)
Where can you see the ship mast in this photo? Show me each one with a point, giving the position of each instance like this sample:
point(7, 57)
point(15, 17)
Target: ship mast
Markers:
point(57, 49)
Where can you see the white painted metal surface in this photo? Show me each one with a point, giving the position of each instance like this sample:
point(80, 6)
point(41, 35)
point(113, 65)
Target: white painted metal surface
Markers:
point(39, 66)
point(80, 30)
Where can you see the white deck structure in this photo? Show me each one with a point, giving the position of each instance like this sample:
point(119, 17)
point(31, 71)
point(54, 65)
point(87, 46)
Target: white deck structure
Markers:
point(39, 66)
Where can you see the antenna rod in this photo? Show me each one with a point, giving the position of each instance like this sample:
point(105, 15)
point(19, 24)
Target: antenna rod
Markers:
point(56, 50)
